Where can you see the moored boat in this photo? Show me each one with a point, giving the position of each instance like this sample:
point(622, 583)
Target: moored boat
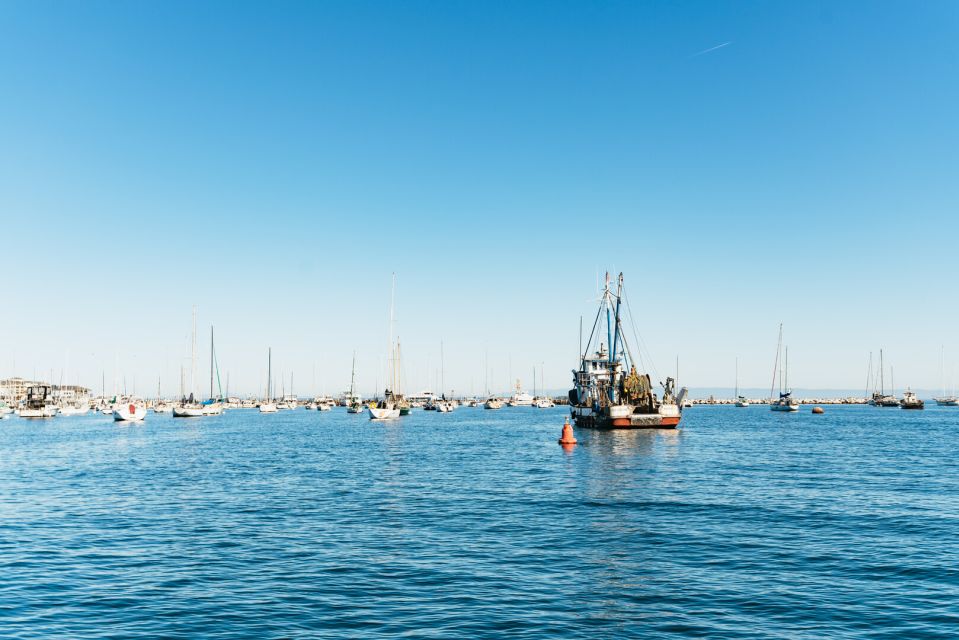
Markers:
point(129, 410)
point(785, 401)
point(910, 400)
point(38, 404)
point(604, 395)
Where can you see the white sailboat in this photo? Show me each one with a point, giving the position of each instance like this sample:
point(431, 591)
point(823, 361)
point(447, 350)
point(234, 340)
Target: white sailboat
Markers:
point(129, 410)
point(785, 402)
point(945, 400)
point(268, 406)
point(388, 408)
point(741, 401)
point(353, 402)
point(188, 407)
point(443, 405)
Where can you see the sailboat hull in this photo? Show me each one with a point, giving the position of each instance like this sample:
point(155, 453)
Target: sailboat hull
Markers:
point(377, 413)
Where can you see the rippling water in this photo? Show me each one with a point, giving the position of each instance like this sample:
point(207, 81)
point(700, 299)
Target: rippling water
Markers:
point(477, 524)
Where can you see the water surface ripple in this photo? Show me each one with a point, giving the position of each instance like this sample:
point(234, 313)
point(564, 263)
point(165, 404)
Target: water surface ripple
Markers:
point(476, 524)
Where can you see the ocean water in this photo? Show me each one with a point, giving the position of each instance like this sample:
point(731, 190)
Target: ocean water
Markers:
point(477, 524)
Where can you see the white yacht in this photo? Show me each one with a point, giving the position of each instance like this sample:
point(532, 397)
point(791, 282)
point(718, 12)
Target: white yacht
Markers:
point(520, 398)
point(37, 404)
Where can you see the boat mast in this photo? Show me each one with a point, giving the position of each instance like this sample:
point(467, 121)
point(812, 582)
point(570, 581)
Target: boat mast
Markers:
point(390, 349)
point(211, 362)
point(193, 358)
point(779, 345)
point(269, 374)
point(442, 372)
point(353, 378)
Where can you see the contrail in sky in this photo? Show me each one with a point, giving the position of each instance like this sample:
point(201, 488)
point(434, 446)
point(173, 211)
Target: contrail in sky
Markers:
point(718, 46)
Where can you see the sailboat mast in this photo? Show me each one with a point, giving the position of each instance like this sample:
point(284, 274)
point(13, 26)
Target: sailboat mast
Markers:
point(193, 357)
point(269, 374)
point(353, 378)
point(211, 362)
point(442, 372)
point(882, 375)
point(390, 350)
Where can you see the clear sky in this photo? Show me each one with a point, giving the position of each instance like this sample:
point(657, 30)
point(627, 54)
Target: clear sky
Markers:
point(744, 164)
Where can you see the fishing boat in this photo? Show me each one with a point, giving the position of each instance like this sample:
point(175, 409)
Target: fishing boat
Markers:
point(785, 402)
point(38, 404)
point(741, 401)
point(493, 402)
point(910, 400)
point(129, 410)
point(608, 391)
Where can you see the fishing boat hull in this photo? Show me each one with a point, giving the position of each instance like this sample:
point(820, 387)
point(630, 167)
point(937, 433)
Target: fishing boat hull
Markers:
point(269, 407)
point(625, 417)
point(912, 406)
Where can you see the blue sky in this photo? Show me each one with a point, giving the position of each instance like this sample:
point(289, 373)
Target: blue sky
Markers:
point(274, 164)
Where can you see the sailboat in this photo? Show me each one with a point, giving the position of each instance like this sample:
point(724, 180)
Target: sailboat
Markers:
point(188, 407)
point(268, 405)
point(213, 406)
point(492, 402)
point(785, 402)
point(389, 406)
point(443, 405)
point(943, 400)
point(544, 401)
point(741, 401)
point(353, 402)
point(880, 398)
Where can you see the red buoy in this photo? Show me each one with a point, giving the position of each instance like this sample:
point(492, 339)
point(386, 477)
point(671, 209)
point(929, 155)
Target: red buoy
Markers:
point(567, 437)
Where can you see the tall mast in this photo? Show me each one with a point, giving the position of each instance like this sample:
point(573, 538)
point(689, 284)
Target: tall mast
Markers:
point(193, 358)
point(353, 377)
point(442, 372)
point(269, 374)
point(211, 362)
point(391, 348)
